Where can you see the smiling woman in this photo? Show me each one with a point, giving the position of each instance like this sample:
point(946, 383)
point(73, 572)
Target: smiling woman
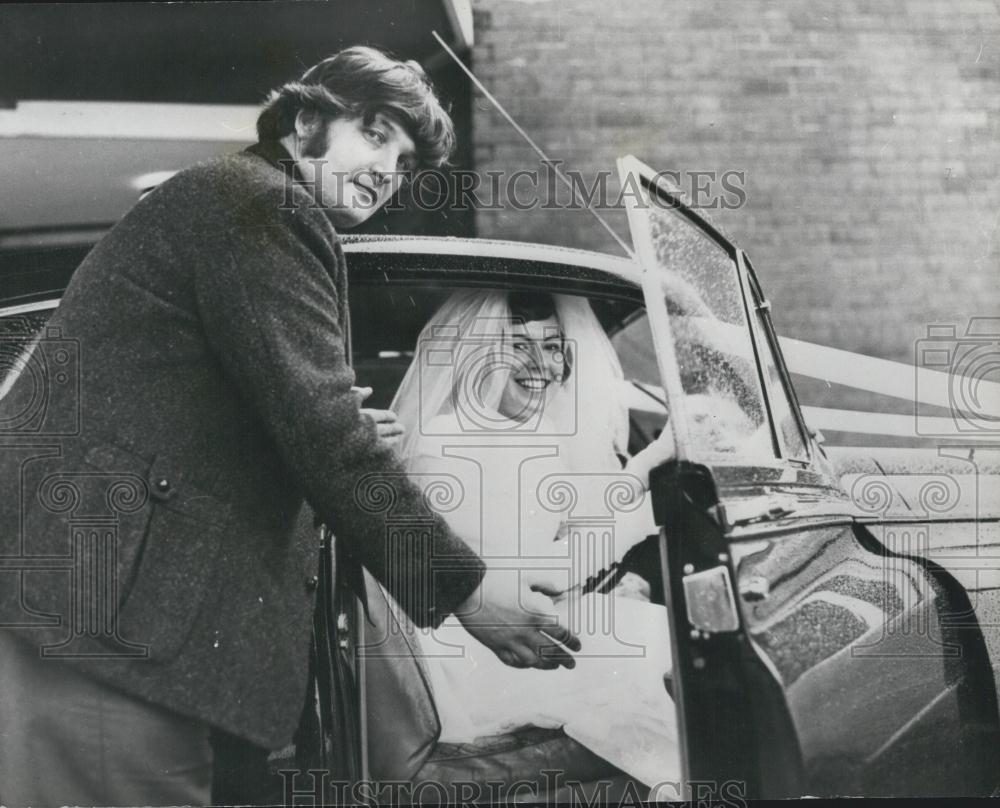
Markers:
point(539, 354)
point(515, 395)
point(489, 361)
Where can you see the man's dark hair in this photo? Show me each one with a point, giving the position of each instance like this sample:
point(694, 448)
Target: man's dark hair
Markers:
point(361, 82)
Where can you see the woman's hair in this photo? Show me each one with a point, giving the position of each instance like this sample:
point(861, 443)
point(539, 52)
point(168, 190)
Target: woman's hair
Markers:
point(531, 306)
point(361, 82)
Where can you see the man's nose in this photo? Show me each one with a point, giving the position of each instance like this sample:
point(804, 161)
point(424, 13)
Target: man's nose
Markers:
point(385, 165)
point(378, 177)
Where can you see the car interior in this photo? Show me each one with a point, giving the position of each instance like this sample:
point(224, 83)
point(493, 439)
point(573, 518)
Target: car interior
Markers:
point(402, 724)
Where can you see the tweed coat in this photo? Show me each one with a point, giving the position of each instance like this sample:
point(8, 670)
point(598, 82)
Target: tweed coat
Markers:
point(152, 523)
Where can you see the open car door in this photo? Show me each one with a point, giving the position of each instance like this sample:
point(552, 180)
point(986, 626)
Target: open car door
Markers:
point(704, 351)
point(808, 656)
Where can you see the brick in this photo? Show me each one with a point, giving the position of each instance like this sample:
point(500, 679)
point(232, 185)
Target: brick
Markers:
point(980, 72)
point(846, 118)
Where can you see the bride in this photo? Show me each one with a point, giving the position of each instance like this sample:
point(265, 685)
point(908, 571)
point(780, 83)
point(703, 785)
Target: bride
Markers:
point(515, 396)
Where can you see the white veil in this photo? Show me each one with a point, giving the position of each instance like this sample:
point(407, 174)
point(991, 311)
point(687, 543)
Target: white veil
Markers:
point(462, 363)
point(450, 395)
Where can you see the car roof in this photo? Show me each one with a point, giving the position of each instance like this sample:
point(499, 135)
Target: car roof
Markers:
point(494, 250)
point(39, 270)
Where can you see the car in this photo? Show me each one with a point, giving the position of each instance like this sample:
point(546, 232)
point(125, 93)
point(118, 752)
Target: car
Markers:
point(833, 614)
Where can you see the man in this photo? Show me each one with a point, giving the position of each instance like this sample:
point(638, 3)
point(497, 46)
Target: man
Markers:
point(214, 399)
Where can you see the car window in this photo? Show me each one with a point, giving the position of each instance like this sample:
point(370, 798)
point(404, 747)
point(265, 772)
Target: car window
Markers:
point(724, 406)
point(793, 442)
point(706, 348)
point(633, 343)
point(387, 319)
point(17, 332)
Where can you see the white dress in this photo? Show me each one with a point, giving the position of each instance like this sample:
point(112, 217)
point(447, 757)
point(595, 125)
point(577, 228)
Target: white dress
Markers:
point(511, 511)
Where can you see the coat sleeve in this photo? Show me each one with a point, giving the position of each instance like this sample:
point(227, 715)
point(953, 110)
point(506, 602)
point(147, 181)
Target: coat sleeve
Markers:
point(270, 307)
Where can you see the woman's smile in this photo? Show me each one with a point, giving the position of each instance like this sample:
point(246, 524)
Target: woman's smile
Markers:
point(533, 383)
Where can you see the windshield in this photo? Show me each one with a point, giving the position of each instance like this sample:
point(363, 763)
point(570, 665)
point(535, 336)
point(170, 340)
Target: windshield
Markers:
point(724, 411)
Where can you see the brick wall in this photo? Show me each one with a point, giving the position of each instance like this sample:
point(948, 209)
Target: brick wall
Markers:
point(869, 133)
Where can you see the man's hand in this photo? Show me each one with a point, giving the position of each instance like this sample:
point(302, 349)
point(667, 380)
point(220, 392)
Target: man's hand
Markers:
point(517, 623)
point(388, 427)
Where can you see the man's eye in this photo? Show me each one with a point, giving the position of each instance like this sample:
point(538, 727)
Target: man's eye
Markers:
point(376, 135)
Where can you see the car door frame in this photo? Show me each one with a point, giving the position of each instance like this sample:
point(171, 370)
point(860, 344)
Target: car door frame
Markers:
point(709, 650)
point(730, 696)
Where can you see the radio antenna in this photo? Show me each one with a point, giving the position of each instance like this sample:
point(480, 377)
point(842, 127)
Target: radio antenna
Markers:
point(538, 150)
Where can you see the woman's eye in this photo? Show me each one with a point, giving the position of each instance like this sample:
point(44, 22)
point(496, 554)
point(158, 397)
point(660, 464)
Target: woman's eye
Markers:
point(376, 135)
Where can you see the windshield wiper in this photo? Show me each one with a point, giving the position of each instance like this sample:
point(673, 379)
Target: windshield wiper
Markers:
point(759, 509)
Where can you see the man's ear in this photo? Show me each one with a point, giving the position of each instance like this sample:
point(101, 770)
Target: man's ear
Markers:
point(307, 122)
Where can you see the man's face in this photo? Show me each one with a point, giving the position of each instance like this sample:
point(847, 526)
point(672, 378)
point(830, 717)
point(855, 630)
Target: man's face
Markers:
point(362, 166)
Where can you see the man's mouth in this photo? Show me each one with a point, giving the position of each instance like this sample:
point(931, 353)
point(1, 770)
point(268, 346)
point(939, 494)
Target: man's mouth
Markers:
point(534, 384)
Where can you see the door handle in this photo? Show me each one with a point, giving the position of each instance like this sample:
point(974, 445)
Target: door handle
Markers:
point(711, 606)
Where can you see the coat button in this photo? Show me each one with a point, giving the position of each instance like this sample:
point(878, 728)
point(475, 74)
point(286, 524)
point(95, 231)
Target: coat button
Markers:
point(163, 489)
point(312, 582)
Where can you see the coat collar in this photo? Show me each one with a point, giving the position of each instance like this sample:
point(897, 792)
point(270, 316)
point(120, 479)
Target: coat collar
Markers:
point(277, 155)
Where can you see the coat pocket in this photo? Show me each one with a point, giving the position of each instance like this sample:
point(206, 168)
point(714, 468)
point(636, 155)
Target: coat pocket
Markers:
point(167, 551)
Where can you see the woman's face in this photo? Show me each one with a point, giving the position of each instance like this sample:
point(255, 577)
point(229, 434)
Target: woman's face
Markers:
point(538, 368)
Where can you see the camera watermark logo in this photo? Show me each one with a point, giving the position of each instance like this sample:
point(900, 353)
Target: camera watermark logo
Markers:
point(486, 381)
point(966, 381)
point(66, 578)
point(925, 521)
point(590, 506)
point(40, 385)
point(559, 537)
point(409, 542)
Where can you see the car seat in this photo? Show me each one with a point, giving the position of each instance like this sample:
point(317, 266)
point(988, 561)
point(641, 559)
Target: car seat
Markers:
point(403, 729)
